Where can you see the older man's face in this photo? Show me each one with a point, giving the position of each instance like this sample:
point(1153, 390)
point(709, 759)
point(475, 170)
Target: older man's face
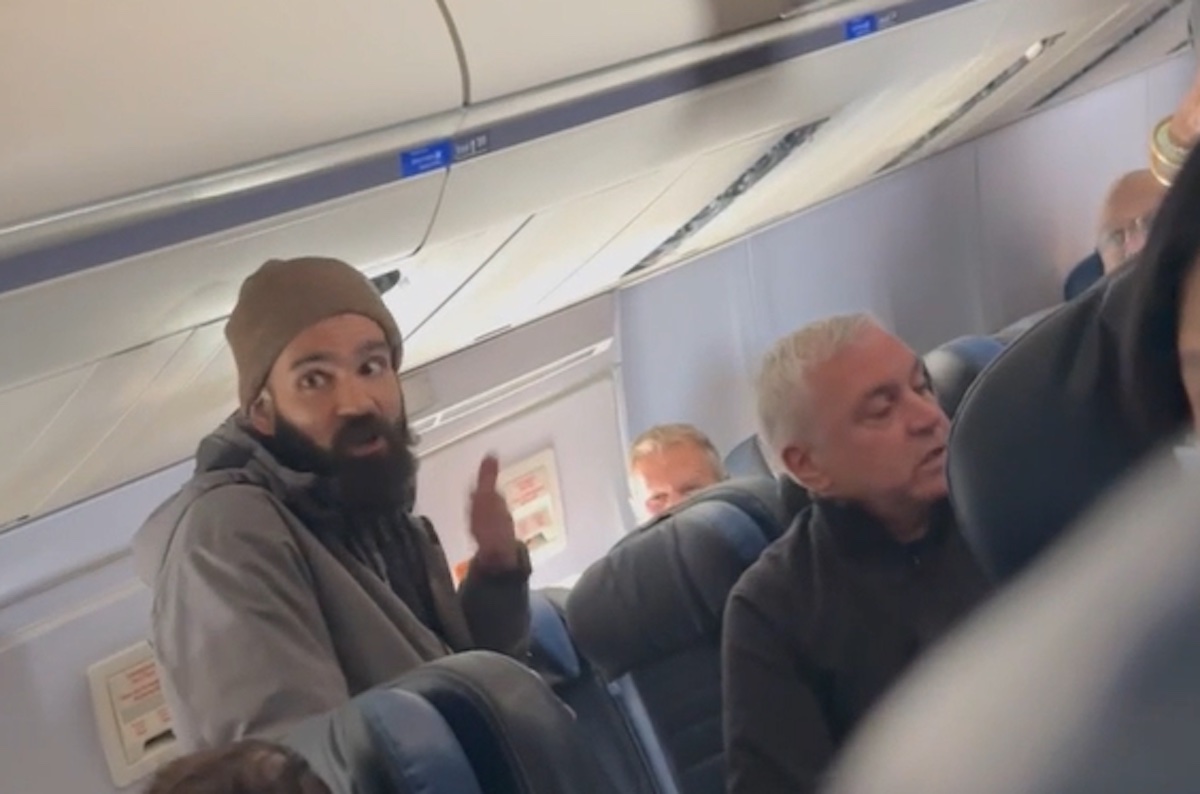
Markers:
point(667, 476)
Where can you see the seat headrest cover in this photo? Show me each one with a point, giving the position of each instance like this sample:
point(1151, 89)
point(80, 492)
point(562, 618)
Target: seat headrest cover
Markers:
point(954, 366)
point(420, 751)
point(552, 644)
point(747, 460)
point(518, 735)
point(663, 589)
point(383, 743)
point(1082, 677)
point(1034, 442)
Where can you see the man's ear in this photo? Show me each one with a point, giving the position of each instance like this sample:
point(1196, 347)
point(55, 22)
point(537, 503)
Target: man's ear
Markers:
point(262, 414)
point(800, 462)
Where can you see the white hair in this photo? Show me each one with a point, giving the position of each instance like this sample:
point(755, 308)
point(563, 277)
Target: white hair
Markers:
point(784, 398)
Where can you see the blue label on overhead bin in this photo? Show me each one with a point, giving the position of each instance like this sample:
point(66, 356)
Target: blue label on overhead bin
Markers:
point(433, 157)
point(858, 27)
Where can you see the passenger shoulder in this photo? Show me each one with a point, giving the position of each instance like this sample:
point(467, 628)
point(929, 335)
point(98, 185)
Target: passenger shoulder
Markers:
point(234, 515)
point(780, 577)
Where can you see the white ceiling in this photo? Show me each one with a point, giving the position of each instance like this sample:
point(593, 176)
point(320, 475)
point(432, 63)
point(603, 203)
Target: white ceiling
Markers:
point(115, 372)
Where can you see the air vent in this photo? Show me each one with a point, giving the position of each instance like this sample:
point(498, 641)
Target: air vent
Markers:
point(385, 281)
point(1037, 50)
point(775, 155)
point(1141, 28)
point(511, 388)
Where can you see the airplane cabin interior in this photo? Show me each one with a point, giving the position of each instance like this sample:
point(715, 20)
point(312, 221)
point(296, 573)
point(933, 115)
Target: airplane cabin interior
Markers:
point(586, 220)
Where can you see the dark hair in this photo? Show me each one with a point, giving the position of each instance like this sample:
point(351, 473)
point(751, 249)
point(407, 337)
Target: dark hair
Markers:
point(250, 766)
point(1155, 398)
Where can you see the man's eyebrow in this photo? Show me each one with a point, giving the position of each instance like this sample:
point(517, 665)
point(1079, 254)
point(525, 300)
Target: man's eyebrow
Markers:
point(374, 346)
point(312, 358)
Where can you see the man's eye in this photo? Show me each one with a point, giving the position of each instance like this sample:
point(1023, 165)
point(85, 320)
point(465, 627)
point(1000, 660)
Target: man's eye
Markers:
point(313, 380)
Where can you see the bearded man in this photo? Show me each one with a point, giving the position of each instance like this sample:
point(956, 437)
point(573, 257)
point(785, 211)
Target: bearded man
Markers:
point(289, 574)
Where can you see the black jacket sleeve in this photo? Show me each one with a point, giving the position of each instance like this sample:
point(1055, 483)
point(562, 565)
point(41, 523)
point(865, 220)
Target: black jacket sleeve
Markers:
point(776, 740)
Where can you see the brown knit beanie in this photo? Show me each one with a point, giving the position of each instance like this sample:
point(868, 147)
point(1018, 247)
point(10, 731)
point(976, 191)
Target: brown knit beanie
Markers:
point(283, 298)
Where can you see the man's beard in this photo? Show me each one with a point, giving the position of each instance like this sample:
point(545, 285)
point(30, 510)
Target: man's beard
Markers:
point(375, 483)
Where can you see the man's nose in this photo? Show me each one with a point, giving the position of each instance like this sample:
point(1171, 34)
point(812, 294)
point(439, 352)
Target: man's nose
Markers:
point(926, 414)
point(353, 398)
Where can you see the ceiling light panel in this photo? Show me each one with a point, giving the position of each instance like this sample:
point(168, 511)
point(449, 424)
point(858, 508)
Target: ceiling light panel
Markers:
point(510, 289)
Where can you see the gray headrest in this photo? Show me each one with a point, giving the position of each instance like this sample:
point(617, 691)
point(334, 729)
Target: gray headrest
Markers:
point(954, 366)
point(662, 589)
point(747, 459)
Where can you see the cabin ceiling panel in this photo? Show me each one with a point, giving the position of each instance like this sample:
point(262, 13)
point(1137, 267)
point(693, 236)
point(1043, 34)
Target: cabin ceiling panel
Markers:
point(190, 395)
point(108, 392)
point(700, 184)
point(104, 311)
point(26, 413)
point(844, 152)
point(1084, 53)
point(103, 99)
point(509, 289)
point(432, 277)
point(884, 122)
point(1152, 45)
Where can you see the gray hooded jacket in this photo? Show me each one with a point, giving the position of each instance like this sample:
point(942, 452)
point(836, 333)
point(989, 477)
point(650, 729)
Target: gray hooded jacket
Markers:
point(257, 624)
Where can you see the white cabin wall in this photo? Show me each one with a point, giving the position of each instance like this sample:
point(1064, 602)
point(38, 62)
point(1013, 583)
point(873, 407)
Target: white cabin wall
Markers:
point(963, 242)
point(68, 598)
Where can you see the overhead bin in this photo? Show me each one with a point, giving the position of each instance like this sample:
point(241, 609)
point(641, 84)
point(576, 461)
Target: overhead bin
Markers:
point(105, 99)
point(579, 138)
point(102, 311)
point(511, 47)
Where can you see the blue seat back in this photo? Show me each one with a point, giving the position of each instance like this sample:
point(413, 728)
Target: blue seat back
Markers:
point(747, 459)
point(385, 742)
point(600, 720)
point(954, 366)
point(518, 736)
point(648, 616)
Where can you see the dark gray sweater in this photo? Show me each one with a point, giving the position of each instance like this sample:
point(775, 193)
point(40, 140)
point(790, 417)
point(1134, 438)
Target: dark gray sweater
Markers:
point(820, 627)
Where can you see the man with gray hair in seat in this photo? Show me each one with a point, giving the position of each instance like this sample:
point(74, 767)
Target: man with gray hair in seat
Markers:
point(667, 464)
point(868, 577)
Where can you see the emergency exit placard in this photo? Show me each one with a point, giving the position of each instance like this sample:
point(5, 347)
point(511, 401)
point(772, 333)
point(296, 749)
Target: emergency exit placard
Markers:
point(132, 716)
point(531, 489)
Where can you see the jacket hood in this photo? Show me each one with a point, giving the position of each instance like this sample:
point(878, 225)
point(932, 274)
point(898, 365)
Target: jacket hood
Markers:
point(229, 455)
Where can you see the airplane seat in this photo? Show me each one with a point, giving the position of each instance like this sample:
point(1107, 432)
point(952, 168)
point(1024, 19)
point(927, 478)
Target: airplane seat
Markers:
point(1033, 445)
point(600, 721)
point(747, 459)
point(1010, 333)
point(648, 616)
point(1081, 677)
point(955, 365)
point(384, 741)
point(516, 733)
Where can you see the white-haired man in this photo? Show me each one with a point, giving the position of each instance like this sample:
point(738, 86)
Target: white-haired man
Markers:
point(667, 464)
point(866, 579)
